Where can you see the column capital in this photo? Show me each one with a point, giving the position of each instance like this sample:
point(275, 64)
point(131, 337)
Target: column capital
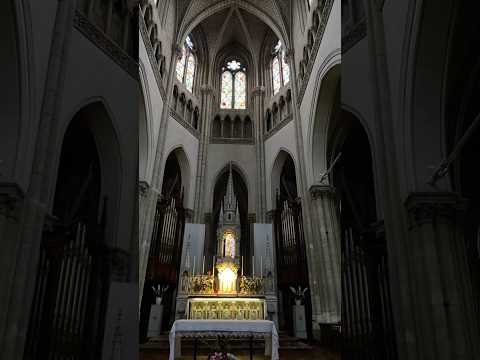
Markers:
point(188, 215)
point(270, 216)
point(427, 207)
point(206, 89)
point(118, 263)
point(11, 194)
point(289, 54)
point(177, 50)
point(143, 188)
point(317, 190)
point(258, 90)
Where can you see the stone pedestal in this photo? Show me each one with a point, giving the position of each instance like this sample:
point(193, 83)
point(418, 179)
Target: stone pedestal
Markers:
point(299, 321)
point(155, 320)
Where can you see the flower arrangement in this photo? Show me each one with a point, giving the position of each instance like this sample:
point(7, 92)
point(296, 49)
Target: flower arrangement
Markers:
point(299, 293)
point(218, 356)
point(159, 291)
point(201, 284)
point(251, 285)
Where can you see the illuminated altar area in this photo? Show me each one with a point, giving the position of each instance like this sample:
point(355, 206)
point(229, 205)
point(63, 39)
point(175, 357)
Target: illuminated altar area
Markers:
point(225, 292)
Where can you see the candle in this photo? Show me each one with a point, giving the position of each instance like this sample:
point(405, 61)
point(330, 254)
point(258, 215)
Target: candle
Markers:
point(253, 265)
point(242, 265)
point(194, 265)
point(203, 265)
point(213, 272)
point(261, 266)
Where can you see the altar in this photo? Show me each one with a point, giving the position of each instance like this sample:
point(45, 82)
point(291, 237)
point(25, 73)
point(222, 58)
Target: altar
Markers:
point(202, 329)
point(226, 300)
point(220, 308)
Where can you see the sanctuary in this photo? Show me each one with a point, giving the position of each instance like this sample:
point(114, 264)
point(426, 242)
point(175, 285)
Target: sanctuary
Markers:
point(225, 292)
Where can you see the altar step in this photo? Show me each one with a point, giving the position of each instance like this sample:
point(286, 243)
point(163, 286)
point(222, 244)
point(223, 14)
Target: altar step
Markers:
point(286, 342)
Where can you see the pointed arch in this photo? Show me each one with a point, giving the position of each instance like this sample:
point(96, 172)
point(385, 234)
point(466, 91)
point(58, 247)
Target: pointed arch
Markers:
point(181, 157)
point(283, 156)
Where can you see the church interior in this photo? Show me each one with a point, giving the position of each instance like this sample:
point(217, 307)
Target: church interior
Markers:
point(240, 179)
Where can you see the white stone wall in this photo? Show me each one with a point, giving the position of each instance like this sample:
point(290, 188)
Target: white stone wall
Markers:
point(219, 157)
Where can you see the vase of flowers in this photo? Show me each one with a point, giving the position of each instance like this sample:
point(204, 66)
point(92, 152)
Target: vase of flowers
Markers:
point(159, 291)
point(299, 294)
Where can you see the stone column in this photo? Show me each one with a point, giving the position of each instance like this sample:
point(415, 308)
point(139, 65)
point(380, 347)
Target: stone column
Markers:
point(327, 271)
point(442, 287)
point(152, 193)
point(206, 112)
point(303, 192)
point(258, 94)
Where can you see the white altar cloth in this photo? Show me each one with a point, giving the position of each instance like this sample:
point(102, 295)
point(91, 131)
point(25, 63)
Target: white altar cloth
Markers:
point(233, 328)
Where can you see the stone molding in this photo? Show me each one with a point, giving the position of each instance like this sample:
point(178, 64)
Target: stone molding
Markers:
point(182, 122)
point(10, 195)
point(327, 7)
point(317, 190)
point(278, 127)
point(430, 207)
point(104, 43)
point(249, 141)
point(151, 57)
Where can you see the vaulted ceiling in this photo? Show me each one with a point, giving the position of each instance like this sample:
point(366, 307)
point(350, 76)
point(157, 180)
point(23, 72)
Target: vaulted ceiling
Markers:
point(234, 26)
point(224, 22)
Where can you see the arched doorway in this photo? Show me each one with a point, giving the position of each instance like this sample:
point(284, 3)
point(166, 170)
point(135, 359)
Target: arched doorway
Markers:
point(367, 321)
point(69, 304)
point(166, 244)
point(292, 269)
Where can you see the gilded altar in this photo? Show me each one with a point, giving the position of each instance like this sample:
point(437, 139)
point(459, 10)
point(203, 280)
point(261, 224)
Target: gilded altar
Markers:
point(226, 309)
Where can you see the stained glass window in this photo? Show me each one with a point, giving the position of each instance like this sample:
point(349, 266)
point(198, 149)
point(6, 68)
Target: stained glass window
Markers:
point(181, 66)
point(189, 42)
point(234, 86)
point(240, 90)
point(278, 46)
point(277, 81)
point(186, 65)
point(233, 65)
point(286, 70)
point(190, 73)
point(280, 68)
point(227, 90)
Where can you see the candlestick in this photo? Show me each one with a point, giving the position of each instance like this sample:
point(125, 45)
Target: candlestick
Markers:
point(253, 265)
point(242, 265)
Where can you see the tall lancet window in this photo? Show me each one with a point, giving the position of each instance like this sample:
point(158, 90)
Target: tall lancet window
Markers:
point(233, 93)
point(187, 64)
point(280, 68)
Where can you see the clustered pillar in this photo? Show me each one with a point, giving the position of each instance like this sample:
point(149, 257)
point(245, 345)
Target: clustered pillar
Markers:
point(442, 292)
point(326, 304)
